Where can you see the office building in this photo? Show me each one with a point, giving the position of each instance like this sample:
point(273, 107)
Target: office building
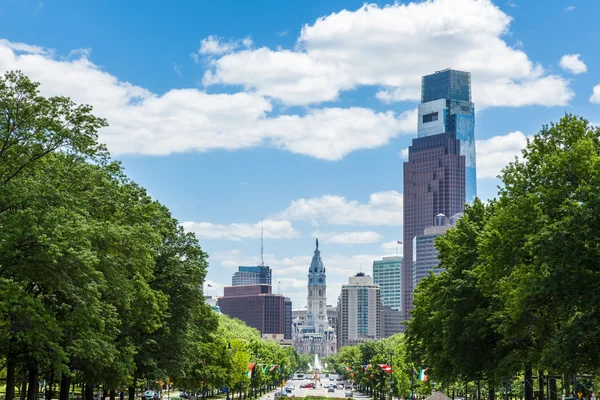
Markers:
point(425, 254)
point(256, 275)
point(446, 107)
point(434, 183)
point(359, 311)
point(314, 335)
point(391, 321)
point(256, 306)
point(287, 318)
point(387, 273)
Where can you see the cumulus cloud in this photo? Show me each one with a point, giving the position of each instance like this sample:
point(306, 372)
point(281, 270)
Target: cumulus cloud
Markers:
point(495, 153)
point(572, 64)
point(392, 247)
point(183, 120)
point(356, 237)
point(393, 46)
point(271, 230)
point(383, 208)
point(595, 97)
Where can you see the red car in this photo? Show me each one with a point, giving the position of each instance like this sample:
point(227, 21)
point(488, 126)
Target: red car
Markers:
point(308, 385)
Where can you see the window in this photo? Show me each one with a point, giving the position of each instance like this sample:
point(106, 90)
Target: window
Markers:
point(430, 117)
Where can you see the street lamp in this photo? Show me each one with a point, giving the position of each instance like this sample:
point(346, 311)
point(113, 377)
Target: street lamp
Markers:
point(229, 352)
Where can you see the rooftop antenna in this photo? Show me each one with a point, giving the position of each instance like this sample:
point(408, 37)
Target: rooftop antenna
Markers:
point(262, 255)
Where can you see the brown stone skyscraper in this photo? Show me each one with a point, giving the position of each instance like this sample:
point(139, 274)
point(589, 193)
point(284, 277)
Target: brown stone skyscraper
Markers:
point(434, 183)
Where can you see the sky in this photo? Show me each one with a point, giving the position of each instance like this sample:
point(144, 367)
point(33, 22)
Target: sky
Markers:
point(299, 113)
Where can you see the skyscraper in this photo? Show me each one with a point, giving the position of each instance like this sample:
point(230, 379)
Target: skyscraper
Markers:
point(446, 106)
point(440, 175)
point(359, 311)
point(255, 275)
point(425, 254)
point(387, 273)
point(434, 183)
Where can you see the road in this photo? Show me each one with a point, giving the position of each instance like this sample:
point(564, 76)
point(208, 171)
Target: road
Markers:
point(320, 390)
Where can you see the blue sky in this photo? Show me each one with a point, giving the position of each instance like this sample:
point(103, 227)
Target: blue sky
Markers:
point(298, 112)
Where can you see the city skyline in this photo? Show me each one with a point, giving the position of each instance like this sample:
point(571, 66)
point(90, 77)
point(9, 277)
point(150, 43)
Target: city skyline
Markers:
point(264, 153)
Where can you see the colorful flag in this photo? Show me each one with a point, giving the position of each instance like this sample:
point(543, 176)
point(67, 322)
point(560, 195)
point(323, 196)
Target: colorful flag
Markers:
point(272, 367)
point(348, 369)
point(423, 375)
point(209, 285)
point(399, 242)
point(250, 368)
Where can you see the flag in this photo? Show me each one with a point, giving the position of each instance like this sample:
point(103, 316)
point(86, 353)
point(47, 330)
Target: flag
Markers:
point(265, 369)
point(250, 368)
point(273, 367)
point(423, 375)
point(386, 368)
point(348, 369)
point(281, 370)
point(399, 242)
point(415, 371)
point(203, 362)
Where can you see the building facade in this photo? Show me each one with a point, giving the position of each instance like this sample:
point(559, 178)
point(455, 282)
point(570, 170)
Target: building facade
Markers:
point(425, 254)
point(359, 311)
point(446, 106)
point(391, 321)
point(256, 306)
point(434, 183)
point(255, 275)
point(387, 273)
point(287, 328)
point(314, 335)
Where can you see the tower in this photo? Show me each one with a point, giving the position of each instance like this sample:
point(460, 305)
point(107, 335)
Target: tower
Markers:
point(316, 315)
point(446, 106)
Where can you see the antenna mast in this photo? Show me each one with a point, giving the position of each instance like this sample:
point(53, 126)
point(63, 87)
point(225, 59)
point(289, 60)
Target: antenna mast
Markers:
point(262, 256)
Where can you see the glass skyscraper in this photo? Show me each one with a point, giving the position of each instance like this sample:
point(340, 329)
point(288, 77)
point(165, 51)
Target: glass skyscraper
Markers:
point(446, 106)
point(387, 273)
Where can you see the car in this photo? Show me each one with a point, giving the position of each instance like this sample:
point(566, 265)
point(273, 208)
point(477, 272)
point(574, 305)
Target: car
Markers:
point(348, 393)
point(277, 394)
point(340, 387)
point(331, 389)
point(306, 385)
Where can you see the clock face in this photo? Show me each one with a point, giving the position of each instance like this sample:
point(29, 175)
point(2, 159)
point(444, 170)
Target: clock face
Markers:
point(320, 280)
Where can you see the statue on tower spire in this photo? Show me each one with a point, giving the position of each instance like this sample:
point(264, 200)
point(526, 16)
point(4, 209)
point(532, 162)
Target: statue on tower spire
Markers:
point(317, 243)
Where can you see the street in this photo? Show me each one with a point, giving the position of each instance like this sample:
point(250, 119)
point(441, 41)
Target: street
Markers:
point(321, 389)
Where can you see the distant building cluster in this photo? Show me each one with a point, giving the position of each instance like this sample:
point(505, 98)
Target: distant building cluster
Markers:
point(439, 178)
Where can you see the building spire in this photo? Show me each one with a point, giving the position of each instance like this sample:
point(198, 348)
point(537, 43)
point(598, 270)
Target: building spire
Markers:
point(317, 243)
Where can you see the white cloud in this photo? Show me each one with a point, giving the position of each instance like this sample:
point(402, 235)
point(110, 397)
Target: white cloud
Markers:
point(570, 8)
point(572, 64)
point(216, 45)
point(404, 153)
point(495, 153)
point(595, 97)
point(182, 120)
point(383, 208)
point(393, 46)
point(357, 237)
point(272, 230)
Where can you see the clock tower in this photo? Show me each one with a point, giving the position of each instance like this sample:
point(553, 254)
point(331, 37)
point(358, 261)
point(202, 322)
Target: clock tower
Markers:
point(316, 315)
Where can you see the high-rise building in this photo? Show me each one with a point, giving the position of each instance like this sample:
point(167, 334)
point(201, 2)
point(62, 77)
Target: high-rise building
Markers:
point(287, 328)
point(425, 254)
point(359, 311)
point(255, 275)
point(446, 106)
point(387, 273)
point(256, 306)
point(434, 183)
point(391, 321)
point(314, 335)
point(436, 177)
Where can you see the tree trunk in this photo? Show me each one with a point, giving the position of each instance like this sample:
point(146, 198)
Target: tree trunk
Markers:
point(32, 392)
point(122, 395)
point(491, 391)
point(89, 391)
point(131, 392)
point(112, 394)
point(541, 384)
point(65, 384)
point(11, 365)
point(104, 393)
point(23, 393)
point(567, 384)
point(553, 394)
point(50, 386)
point(528, 383)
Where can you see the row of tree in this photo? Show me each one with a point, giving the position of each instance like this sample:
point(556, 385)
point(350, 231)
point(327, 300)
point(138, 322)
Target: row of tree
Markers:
point(518, 298)
point(99, 284)
point(378, 366)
